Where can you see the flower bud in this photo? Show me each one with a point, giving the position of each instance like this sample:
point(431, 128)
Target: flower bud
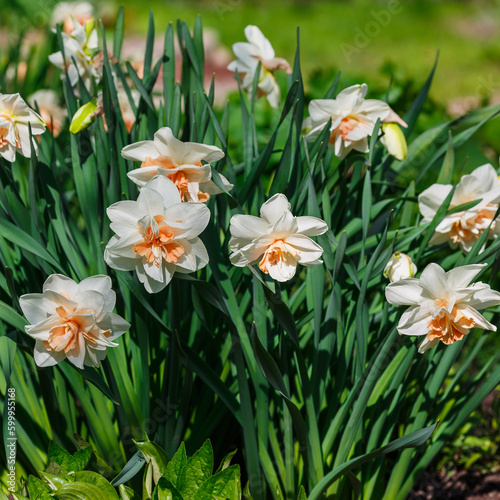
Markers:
point(400, 266)
point(83, 117)
point(394, 140)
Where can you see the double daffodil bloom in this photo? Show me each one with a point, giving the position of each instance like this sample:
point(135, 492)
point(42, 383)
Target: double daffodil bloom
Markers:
point(179, 161)
point(277, 240)
point(464, 228)
point(15, 120)
point(258, 48)
point(73, 321)
point(80, 51)
point(352, 118)
point(157, 235)
point(443, 305)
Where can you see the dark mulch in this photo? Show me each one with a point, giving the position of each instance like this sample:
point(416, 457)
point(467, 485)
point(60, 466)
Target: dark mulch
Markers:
point(462, 485)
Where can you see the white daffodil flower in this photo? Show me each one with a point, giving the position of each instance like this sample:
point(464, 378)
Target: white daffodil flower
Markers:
point(277, 240)
point(15, 120)
point(80, 51)
point(258, 48)
point(157, 235)
point(73, 321)
point(443, 306)
point(177, 160)
point(353, 119)
point(400, 266)
point(51, 112)
point(464, 228)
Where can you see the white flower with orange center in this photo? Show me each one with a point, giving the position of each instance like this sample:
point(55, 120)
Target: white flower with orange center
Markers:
point(157, 235)
point(443, 305)
point(276, 240)
point(51, 112)
point(15, 120)
point(179, 161)
point(81, 53)
point(353, 119)
point(464, 228)
point(258, 48)
point(73, 321)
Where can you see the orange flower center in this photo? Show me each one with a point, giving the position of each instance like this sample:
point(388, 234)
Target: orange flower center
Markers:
point(158, 243)
point(276, 253)
point(179, 178)
point(449, 327)
point(470, 229)
point(66, 336)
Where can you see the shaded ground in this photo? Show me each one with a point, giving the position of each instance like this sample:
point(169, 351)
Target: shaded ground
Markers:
point(463, 485)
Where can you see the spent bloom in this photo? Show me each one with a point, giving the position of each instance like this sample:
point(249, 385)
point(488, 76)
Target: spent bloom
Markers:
point(51, 112)
point(15, 120)
point(464, 228)
point(73, 321)
point(179, 161)
point(400, 266)
point(443, 305)
point(258, 48)
point(277, 240)
point(157, 235)
point(352, 118)
point(80, 54)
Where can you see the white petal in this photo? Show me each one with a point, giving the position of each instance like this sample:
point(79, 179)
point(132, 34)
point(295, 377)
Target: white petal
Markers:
point(168, 191)
point(427, 344)
point(191, 219)
point(44, 358)
point(414, 321)
point(256, 37)
point(142, 175)
point(284, 270)
point(61, 284)
point(139, 151)
point(460, 277)
point(433, 282)
point(483, 296)
point(308, 250)
point(311, 226)
point(32, 306)
point(248, 227)
point(479, 320)
point(404, 292)
point(274, 208)
point(432, 198)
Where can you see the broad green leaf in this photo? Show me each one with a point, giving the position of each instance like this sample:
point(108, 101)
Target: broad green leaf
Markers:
point(72, 463)
point(175, 466)
point(37, 489)
point(225, 485)
point(196, 471)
